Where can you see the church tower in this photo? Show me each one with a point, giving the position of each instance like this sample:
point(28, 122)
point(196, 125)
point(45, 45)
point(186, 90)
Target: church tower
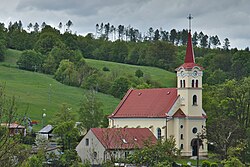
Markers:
point(189, 83)
point(189, 89)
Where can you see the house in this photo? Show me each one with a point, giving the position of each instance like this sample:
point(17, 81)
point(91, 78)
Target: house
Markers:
point(169, 112)
point(45, 132)
point(15, 128)
point(101, 144)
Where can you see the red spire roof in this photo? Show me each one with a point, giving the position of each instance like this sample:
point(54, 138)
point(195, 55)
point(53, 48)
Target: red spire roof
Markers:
point(189, 51)
point(189, 62)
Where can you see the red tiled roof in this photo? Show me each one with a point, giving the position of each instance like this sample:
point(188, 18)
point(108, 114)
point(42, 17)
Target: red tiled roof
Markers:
point(124, 138)
point(189, 62)
point(146, 103)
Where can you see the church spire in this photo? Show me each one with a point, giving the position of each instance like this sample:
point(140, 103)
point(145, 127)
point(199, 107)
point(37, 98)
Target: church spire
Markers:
point(189, 51)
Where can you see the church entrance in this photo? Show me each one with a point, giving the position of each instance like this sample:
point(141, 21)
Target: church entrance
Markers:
point(196, 143)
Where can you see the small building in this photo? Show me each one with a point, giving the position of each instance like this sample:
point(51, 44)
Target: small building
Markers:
point(45, 132)
point(15, 128)
point(101, 144)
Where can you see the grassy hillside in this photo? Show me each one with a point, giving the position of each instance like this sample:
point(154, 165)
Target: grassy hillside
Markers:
point(35, 92)
point(163, 77)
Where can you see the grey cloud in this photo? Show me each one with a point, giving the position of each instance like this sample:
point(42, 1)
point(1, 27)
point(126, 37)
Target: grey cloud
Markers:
point(225, 18)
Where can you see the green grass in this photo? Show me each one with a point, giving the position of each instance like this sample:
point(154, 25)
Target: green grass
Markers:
point(11, 56)
point(163, 77)
point(33, 93)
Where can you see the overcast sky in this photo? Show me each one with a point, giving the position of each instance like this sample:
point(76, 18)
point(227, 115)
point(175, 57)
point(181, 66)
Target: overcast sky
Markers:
point(225, 18)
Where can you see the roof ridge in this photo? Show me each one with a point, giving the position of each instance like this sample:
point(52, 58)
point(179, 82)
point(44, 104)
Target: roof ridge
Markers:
point(121, 103)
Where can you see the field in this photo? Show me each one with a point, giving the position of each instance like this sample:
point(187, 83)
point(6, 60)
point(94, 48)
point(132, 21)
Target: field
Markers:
point(163, 77)
point(37, 93)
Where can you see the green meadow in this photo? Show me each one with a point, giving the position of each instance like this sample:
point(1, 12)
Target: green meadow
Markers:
point(163, 77)
point(37, 93)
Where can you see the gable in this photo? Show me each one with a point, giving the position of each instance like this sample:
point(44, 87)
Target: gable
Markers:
point(179, 114)
point(146, 103)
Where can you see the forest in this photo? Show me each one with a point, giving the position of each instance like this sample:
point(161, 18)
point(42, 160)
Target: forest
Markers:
point(61, 53)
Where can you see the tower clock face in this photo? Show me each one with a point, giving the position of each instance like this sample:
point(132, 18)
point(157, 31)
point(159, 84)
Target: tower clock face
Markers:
point(182, 73)
point(195, 74)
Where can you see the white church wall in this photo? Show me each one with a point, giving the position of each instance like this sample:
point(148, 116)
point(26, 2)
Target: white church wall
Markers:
point(152, 123)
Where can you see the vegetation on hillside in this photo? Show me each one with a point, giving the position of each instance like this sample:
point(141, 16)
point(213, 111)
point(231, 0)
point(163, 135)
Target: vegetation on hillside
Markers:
point(226, 75)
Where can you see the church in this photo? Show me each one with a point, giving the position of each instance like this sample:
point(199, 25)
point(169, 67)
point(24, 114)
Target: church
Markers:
point(169, 112)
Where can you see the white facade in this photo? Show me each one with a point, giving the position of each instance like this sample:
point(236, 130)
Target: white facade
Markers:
point(91, 149)
point(184, 128)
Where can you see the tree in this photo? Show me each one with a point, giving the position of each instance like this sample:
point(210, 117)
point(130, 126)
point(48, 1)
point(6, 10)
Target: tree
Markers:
point(204, 41)
point(10, 145)
point(66, 73)
point(162, 152)
point(30, 25)
point(120, 87)
point(226, 44)
point(119, 51)
point(90, 112)
point(150, 34)
point(68, 134)
point(173, 36)
point(120, 31)
point(195, 38)
point(240, 64)
point(48, 39)
point(157, 35)
point(69, 24)
point(138, 73)
point(30, 60)
point(36, 27)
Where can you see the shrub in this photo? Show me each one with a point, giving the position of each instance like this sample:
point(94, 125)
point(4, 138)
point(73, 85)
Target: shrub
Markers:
point(138, 73)
point(205, 164)
point(214, 165)
point(105, 69)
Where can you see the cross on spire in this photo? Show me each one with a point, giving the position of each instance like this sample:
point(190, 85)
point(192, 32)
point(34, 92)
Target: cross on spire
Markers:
point(190, 17)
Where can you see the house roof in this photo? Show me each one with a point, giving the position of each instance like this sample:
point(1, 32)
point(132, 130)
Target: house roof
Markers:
point(46, 129)
point(13, 125)
point(146, 103)
point(124, 138)
point(189, 62)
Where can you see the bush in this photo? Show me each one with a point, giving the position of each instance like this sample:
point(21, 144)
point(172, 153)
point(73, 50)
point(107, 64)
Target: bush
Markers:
point(205, 164)
point(138, 73)
point(105, 69)
point(232, 162)
point(214, 165)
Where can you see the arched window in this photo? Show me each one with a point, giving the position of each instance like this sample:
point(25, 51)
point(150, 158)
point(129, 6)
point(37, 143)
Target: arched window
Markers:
point(159, 133)
point(197, 84)
point(192, 83)
point(194, 100)
point(181, 136)
point(184, 83)
point(181, 147)
point(181, 83)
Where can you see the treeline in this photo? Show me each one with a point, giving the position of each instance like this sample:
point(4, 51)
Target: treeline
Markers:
point(128, 33)
point(49, 49)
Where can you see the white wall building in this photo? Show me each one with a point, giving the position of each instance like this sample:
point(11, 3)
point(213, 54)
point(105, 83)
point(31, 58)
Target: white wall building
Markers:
point(169, 112)
point(101, 144)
